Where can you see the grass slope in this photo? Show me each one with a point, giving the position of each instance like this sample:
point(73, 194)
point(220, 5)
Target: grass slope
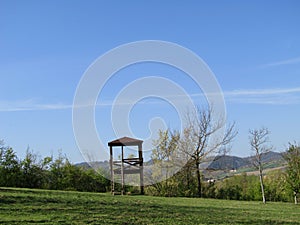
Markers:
point(27, 206)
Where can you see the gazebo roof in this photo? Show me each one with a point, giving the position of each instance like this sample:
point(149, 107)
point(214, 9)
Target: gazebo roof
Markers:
point(125, 141)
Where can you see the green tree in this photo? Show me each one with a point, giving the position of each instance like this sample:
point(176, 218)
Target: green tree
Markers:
point(276, 186)
point(32, 173)
point(187, 183)
point(292, 156)
point(10, 170)
point(163, 156)
point(209, 190)
point(57, 173)
point(239, 187)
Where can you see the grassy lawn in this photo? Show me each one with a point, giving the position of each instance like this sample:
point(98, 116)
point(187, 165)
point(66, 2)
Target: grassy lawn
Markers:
point(27, 206)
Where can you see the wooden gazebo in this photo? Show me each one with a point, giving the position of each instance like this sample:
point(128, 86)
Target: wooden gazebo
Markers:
point(126, 165)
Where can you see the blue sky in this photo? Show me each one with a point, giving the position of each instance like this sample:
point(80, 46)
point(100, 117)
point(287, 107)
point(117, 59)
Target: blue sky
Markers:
point(252, 47)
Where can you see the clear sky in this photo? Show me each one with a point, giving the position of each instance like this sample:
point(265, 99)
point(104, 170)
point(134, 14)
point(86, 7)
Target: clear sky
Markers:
point(253, 48)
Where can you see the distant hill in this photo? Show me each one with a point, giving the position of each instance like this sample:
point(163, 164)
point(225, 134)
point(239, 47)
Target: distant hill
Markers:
point(222, 165)
point(226, 162)
point(269, 157)
point(98, 164)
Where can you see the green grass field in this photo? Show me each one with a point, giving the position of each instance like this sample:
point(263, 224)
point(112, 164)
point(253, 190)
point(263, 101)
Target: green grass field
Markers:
point(27, 206)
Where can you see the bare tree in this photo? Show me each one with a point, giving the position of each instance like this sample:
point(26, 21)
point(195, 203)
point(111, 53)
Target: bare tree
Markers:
point(259, 139)
point(202, 137)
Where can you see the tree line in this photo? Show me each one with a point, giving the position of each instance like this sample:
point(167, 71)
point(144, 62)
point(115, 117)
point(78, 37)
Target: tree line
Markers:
point(238, 187)
point(201, 138)
point(47, 173)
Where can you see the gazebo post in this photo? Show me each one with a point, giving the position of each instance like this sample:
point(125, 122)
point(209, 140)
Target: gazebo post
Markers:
point(111, 171)
point(122, 171)
point(141, 168)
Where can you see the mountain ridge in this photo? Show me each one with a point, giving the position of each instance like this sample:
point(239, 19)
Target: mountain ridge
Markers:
point(219, 162)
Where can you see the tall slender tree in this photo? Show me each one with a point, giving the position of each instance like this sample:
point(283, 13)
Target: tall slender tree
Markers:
point(259, 139)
